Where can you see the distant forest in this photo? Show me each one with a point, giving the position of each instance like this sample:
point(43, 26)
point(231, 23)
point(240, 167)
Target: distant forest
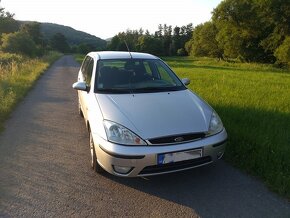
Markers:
point(243, 30)
point(166, 41)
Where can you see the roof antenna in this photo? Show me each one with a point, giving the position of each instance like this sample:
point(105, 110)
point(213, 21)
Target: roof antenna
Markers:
point(128, 49)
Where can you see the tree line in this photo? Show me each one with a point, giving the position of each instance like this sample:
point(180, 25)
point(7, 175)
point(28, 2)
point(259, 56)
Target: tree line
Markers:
point(249, 30)
point(166, 41)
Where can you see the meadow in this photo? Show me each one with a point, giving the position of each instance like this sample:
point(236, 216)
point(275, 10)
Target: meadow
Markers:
point(253, 101)
point(17, 75)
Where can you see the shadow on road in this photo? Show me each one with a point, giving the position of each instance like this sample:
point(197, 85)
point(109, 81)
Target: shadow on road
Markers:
point(212, 191)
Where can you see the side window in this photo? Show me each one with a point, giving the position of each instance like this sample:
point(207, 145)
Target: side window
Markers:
point(87, 69)
point(89, 72)
point(85, 64)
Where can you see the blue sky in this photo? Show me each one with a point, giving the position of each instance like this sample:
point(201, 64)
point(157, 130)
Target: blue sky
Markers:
point(105, 18)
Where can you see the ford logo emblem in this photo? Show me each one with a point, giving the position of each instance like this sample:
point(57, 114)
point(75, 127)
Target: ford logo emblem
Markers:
point(179, 139)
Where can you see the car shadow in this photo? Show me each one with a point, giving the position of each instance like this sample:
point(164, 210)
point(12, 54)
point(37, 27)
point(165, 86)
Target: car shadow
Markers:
point(217, 190)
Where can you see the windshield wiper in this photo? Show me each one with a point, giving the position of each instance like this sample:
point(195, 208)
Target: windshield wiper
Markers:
point(113, 91)
point(156, 89)
point(131, 90)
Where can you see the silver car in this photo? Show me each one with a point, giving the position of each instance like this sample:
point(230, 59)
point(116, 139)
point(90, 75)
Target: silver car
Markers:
point(141, 118)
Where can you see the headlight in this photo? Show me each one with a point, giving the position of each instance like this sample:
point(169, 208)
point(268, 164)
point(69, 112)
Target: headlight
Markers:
point(119, 134)
point(215, 125)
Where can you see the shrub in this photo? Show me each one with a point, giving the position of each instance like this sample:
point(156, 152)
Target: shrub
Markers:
point(6, 58)
point(181, 52)
point(20, 43)
point(282, 53)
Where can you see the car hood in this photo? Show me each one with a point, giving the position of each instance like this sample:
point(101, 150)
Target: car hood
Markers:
point(152, 115)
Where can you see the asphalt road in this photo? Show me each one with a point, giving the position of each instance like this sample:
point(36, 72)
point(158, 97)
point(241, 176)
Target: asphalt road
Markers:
point(45, 170)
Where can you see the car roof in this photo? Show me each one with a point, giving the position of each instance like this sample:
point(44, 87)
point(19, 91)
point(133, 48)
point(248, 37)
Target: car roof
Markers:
point(103, 55)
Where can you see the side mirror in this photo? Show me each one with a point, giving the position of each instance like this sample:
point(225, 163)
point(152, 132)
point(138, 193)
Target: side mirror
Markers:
point(185, 81)
point(82, 86)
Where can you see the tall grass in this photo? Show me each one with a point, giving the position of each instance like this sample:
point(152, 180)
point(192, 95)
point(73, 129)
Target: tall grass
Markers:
point(253, 101)
point(17, 75)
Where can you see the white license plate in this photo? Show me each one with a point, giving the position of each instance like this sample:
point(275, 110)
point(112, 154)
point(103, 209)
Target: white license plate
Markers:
point(178, 156)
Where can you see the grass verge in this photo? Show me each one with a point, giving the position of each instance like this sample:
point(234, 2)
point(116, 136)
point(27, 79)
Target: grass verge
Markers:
point(17, 75)
point(79, 57)
point(253, 101)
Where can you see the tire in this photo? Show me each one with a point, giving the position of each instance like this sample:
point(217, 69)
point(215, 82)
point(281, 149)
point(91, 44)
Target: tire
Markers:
point(94, 162)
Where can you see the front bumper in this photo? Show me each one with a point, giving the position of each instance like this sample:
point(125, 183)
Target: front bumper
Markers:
point(142, 160)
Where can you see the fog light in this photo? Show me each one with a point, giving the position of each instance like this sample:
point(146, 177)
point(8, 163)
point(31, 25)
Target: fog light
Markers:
point(122, 170)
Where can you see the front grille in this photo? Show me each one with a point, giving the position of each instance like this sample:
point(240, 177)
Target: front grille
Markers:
point(175, 166)
point(177, 138)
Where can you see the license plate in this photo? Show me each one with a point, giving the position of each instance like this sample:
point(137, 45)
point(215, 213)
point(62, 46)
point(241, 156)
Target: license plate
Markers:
point(178, 156)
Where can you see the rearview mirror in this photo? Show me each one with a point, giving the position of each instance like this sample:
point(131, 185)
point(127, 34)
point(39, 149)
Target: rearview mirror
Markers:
point(82, 86)
point(185, 81)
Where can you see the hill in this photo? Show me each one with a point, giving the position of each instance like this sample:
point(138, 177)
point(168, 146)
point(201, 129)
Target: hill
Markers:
point(74, 37)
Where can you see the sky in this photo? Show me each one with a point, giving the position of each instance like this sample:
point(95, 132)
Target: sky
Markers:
point(106, 18)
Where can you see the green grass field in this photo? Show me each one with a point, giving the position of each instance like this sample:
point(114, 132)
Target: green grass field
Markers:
point(17, 75)
point(253, 101)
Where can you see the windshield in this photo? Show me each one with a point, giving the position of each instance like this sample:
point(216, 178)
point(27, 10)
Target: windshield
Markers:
point(135, 76)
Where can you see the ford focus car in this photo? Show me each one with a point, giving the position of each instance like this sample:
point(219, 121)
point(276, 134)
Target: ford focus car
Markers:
point(142, 119)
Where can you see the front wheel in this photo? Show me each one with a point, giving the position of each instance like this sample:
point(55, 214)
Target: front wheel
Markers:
point(94, 162)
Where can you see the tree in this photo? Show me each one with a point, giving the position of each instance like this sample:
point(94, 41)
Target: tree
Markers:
point(252, 29)
point(167, 40)
point(203, 41)
point(275, 17)
point(159, 32)
point(33, 29)
point(186, 33)
point(18, 42)
point(85, 48)
point(176, 40)
point(114, 43)
point(149, 44)
point(239, 30)
point(282, 53)
point(7, 22)
point(59, 43)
